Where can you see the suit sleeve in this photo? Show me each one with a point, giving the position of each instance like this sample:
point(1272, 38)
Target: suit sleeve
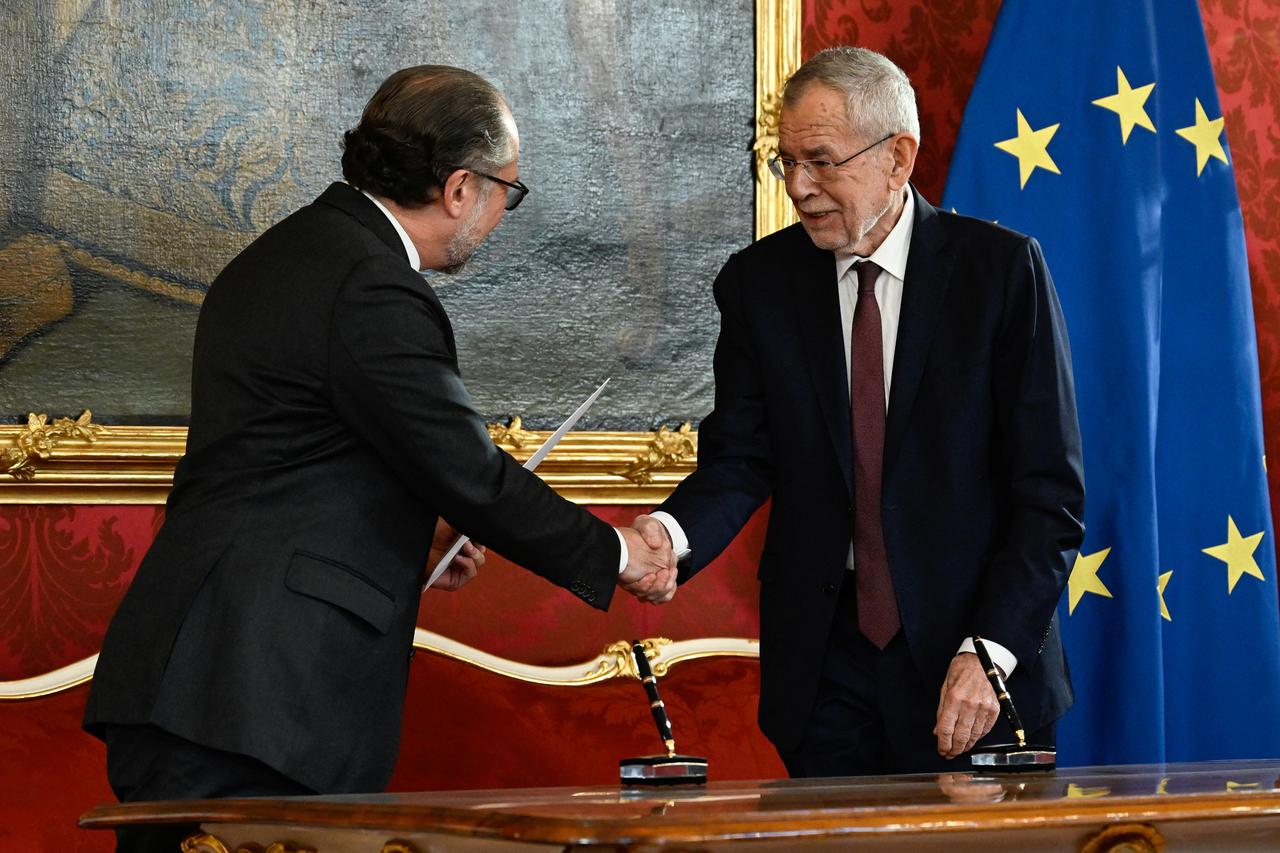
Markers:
point(1039, 433)
point(395, 381)
point(735, 463)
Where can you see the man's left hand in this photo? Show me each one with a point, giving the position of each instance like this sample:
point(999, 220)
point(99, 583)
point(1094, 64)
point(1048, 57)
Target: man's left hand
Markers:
point(967, 709)
point(463, 568)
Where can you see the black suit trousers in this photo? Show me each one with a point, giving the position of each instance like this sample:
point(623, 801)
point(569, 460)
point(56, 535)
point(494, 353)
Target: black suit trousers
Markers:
point(148, 763)
point(874, 714)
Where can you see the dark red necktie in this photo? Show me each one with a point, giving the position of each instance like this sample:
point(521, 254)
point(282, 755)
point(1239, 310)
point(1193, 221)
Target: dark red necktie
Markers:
point(877, 607)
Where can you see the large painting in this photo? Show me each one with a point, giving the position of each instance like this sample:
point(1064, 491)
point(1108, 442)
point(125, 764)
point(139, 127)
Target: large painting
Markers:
point(144, 142)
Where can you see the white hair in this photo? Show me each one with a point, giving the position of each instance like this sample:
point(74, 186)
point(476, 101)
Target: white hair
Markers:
point(879, 97)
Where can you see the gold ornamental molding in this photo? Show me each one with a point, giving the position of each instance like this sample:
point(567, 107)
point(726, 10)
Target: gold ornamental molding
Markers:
point(778, 25)
point(209, 843)
point(669, 448)
point(38, 439)
point(118, 465)
point(614, 662)
point(80, 462)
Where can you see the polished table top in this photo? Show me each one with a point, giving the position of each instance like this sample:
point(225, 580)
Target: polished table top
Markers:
point(724, 811)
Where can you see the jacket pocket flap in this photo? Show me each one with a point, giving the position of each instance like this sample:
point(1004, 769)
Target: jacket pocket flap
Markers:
point(342, 587)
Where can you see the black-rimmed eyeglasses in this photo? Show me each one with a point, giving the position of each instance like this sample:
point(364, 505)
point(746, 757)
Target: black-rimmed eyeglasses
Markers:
point(516, 191)
point(818, 171)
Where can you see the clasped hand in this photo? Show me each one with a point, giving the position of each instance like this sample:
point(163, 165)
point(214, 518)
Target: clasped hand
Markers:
point(650, 574)
point(463, 568)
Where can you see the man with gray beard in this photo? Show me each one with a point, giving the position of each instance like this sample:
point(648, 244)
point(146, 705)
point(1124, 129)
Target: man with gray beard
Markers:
point(263, 647)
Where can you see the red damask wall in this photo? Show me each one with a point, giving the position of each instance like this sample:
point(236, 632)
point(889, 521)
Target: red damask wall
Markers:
point(62, 569)
point(939, 43)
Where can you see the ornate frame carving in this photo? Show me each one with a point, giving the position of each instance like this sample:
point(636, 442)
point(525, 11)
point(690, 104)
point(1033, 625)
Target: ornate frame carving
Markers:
point(77, 462)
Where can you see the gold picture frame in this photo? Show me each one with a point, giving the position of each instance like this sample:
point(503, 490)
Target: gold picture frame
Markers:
point(67, 461)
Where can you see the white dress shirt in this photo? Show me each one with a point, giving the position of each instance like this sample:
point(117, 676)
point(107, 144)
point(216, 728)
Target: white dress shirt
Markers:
point(891, 257)
point(409, 249)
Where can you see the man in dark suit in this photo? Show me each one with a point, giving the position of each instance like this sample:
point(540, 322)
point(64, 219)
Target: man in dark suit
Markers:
point(264, 644)
point(913, 420)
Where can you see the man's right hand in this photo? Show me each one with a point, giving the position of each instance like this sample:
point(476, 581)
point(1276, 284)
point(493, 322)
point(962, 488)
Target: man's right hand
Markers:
point(650, 574)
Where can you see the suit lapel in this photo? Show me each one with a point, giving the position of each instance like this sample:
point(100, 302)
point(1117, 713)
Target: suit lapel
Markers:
point(818, 310)
point(924, 289)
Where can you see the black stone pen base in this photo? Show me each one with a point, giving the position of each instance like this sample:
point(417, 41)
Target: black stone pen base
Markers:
point(663, 770)
point(1014, 758)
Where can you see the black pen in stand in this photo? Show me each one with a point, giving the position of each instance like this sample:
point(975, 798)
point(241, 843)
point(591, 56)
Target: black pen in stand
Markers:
point(669, 769)
point(1020, 757)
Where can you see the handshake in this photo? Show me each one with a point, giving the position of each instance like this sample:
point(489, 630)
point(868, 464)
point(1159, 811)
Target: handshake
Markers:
point(650, 574)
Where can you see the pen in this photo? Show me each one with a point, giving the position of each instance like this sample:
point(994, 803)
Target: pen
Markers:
point(656, 706)
point(1002, 693)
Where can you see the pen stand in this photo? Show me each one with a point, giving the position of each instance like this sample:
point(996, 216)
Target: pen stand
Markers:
point(1020, 757)
point(1014, 758)
point(668, 769)
point(663, 770)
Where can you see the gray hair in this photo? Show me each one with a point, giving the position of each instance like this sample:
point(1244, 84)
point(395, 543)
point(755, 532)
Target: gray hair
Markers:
point(421, 124)
point(879, 98)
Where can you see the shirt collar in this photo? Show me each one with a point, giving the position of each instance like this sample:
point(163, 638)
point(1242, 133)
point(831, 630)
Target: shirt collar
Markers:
point(409, 248)
point(891, 254)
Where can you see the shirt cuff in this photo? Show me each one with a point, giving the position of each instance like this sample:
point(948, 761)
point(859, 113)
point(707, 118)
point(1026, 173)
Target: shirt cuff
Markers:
point(679, 542)
point(1000, 656)
point(624, 555)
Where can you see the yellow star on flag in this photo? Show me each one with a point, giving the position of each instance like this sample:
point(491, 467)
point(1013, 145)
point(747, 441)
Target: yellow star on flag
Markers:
point(1084, 578)
point(1031, 147)
point(1160, 585)
point(1237, 553)
point(1128, 103)
point(1204, 136)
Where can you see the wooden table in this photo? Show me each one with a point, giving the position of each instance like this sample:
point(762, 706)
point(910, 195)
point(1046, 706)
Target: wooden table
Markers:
point(1228, 806)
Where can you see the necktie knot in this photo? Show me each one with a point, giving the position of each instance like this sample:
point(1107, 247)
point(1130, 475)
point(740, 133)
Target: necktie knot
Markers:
point(868, 272)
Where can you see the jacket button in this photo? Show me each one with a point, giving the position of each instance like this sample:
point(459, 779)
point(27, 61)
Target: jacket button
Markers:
point(412, 652)
point(829, 589)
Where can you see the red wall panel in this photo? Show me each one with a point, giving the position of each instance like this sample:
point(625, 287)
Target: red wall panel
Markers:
point(63, 570)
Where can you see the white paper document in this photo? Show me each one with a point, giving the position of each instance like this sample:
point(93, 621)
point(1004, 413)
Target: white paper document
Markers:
point(533, 462)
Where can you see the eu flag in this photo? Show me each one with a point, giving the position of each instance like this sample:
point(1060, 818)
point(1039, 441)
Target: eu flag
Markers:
point(1095, 127)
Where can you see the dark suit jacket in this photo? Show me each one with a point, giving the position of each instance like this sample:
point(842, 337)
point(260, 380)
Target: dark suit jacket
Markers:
point(273, 615)
point(983, 482)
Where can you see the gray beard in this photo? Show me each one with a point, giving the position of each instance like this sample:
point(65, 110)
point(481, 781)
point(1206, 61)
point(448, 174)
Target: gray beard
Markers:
point(463, 244)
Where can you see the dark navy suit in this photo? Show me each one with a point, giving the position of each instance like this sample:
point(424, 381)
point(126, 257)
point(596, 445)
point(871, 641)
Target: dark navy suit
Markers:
point(983, 493)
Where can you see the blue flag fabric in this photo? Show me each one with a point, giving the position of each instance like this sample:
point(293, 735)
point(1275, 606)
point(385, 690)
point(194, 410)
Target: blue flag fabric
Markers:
point(1095, 127)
